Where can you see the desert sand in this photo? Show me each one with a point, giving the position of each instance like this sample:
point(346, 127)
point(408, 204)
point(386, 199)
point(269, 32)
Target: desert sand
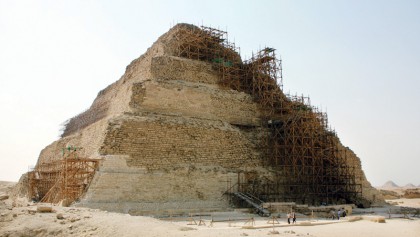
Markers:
point(20, 218)
point(405, 202)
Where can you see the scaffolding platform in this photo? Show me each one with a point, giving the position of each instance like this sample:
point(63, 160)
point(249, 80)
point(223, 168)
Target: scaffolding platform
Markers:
point(65, 179)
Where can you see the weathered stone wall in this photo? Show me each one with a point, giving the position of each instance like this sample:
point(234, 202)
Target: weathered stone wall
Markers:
point(120, 187)
point(196, 100)
point(165, 142)
point(175, 68)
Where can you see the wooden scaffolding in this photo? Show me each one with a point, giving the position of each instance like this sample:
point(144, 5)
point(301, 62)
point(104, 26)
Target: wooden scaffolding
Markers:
point(65, 179)
point(298, 145)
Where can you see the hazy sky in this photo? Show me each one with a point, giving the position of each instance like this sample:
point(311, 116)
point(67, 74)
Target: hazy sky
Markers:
point(359, 60)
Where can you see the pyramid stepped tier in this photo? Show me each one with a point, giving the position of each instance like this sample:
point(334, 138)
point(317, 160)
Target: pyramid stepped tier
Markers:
point(165, 142)
point(196, 100)
point(123, 188)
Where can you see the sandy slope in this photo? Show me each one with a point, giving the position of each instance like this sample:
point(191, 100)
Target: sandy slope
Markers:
point(26, 221)
point(405, 202)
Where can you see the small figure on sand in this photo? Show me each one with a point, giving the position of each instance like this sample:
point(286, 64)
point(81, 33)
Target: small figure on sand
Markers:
point(294, 217)
point(288, 217)
point(338, 214)
point(332, 214)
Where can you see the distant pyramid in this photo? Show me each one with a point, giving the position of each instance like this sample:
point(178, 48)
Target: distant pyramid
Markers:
point(410, 185)
point(390, 184)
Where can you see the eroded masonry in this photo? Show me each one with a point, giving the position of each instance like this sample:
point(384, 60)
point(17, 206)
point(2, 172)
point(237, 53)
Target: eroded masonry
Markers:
point(190, 126)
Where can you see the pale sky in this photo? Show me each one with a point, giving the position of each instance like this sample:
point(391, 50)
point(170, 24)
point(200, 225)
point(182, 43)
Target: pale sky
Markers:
point(358, 60)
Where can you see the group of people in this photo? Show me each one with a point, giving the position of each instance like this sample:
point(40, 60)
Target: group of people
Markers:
point(340, 213)
point(291, 215)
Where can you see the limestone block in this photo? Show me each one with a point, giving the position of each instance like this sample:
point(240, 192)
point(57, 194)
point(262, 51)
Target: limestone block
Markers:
point(44, 208)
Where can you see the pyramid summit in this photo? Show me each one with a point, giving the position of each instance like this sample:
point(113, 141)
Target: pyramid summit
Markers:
point(190, 126)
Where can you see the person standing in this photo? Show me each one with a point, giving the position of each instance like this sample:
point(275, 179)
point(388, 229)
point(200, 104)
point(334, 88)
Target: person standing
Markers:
point(338, 214)
point(332, 214)
point(294, 217)
point(288, 217)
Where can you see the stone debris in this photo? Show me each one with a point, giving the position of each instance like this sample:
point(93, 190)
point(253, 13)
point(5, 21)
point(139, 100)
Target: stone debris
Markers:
point(3, 197)
point(44, 209)
point(60, 216)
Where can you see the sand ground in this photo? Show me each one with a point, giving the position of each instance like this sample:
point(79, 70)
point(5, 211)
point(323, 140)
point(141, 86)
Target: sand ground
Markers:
point(70, 221)
point(405, 202)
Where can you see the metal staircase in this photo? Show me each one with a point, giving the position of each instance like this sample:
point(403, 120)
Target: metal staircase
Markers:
point(253, 201)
